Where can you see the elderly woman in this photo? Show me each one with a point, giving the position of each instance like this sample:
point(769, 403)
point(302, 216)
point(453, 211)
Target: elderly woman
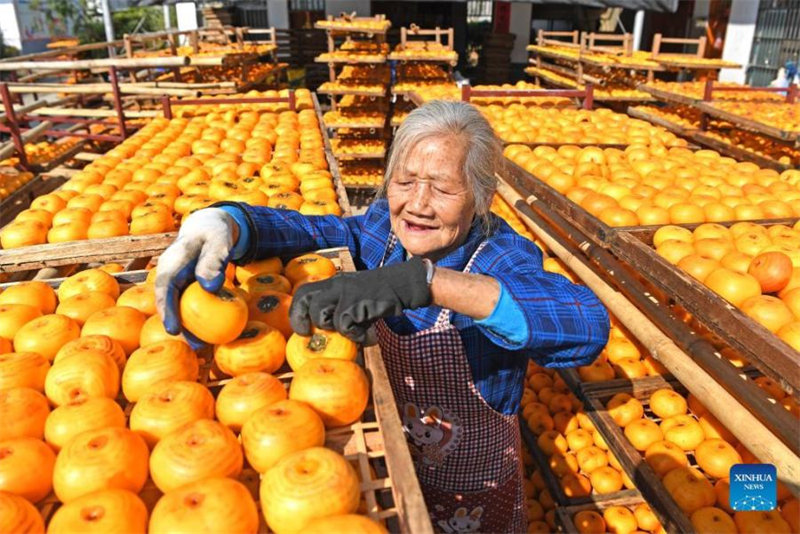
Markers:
point(460, 303)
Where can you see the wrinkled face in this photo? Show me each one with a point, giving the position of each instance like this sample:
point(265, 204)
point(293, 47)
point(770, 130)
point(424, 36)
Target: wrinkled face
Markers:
point(430, 202)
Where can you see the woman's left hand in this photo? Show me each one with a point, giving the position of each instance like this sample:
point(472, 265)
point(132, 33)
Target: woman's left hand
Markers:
point(350, 302)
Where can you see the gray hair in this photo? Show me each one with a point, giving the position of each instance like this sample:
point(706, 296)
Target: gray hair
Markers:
point(483, 150)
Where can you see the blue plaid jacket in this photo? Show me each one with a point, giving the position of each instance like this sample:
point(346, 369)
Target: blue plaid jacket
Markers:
point(567, 324)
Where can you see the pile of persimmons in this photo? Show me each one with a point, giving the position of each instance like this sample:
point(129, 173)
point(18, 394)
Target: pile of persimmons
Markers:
point(656, 185)
point(518, 123)
point(756, 268)
point(174, 459)
point(170, 168)
point(12, 179)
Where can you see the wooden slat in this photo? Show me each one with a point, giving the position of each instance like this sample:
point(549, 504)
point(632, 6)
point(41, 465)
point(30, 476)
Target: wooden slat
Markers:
point(95, 250)
point(412, 511)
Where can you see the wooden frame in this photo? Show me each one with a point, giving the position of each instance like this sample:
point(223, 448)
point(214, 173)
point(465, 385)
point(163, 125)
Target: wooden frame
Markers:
point(437, 34)
point(589, 43)
point(652, 489)
point(544, 38)
point(659, 39)
point(551, 481)
point(767, 430)
point(677, 129)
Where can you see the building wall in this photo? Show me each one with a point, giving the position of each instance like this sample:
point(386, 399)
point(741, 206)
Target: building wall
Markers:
point(9, 24)
point(361, 7)
point(739, 39)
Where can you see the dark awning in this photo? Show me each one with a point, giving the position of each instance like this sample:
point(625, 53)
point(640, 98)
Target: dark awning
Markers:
point(648, 5)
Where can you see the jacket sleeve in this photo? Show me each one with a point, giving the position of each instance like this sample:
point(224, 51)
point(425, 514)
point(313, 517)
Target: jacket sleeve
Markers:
point(567, 325)
point(278, 232)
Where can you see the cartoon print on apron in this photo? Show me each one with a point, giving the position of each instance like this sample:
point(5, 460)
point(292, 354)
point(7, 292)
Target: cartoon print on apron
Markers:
point(466, 453)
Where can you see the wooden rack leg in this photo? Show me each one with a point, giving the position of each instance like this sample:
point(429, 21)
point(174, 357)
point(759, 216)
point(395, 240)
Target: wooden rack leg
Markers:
point(13, 125)
point(112, 75)
point(167, 107)
point(588, 100)
point(791, 94)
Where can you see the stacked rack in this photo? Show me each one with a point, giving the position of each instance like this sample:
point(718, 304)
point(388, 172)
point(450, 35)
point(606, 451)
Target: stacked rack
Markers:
point(358, 92)
point(421, 63)
point(571, 59)
point(755, 124)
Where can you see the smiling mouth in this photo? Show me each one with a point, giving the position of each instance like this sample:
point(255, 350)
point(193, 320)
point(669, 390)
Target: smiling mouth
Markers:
point(415, 227)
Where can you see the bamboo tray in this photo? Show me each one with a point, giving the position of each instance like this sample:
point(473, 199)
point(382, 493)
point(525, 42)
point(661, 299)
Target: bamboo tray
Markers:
point(352, 60)
point(551, 481)
point(345, 28)
point(450, 60)
point(375, 443)
point(542, 51)
point(584, 388)
point(746, 123)
point(98, 250)
point(625, 66)
point(768, 353)
point(632, 460)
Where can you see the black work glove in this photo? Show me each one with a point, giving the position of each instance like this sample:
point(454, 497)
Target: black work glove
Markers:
point(350, 302)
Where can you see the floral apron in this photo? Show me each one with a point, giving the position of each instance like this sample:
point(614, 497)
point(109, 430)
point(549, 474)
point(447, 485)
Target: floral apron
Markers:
point(466, 453)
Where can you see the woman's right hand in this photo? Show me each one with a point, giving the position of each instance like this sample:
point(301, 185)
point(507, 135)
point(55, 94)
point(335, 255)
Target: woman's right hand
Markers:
point(201, 251)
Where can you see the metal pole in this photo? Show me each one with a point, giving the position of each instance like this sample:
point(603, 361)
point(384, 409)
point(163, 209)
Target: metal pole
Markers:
point(167, 19)
point(109, 25)
point(638, 26)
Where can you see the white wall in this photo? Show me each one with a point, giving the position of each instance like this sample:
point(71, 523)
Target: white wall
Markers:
point(278, 13)
point(186, 13)
point(520, 25)
point(9, 25)
point(739, 38)
point(361, 7)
